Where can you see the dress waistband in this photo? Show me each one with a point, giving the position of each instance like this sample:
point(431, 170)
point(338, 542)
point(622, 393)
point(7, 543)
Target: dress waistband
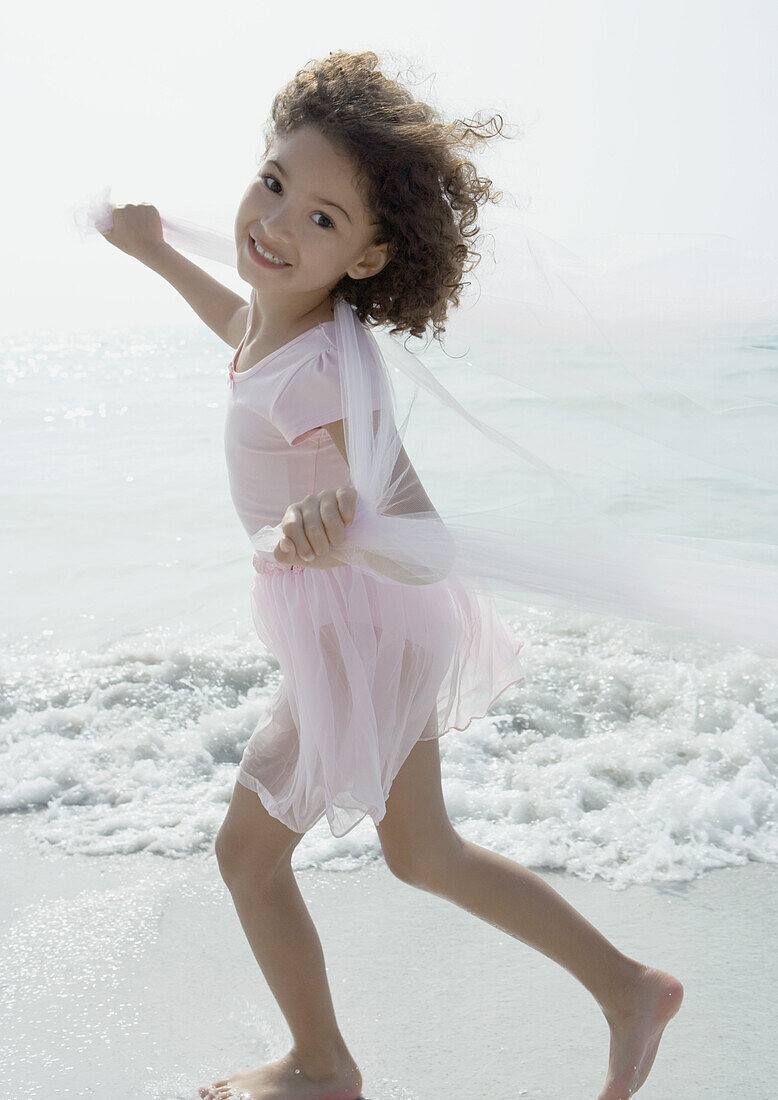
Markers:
point(262, 565)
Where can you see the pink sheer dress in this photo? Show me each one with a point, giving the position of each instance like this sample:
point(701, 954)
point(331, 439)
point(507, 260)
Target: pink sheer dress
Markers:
point(368, 668)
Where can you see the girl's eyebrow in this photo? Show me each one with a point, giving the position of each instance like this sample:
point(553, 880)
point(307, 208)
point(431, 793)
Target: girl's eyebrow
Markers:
point(316, 198)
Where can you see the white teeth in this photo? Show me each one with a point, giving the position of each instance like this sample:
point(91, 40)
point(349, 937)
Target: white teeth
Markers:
point(267, 255)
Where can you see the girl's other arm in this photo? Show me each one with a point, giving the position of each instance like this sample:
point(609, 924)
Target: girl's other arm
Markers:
point(410, 498)
point(137, 230)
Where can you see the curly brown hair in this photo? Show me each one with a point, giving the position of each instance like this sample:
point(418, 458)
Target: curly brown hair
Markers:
point(413, 175)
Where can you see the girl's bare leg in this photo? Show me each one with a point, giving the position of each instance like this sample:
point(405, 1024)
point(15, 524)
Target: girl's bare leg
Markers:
point(422, 848)
point(254, 852)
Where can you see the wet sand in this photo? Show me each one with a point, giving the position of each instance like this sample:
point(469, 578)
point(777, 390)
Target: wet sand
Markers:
point(128, 977)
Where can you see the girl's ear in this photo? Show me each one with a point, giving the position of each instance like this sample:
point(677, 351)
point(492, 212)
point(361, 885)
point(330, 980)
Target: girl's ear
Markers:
point(375, 258)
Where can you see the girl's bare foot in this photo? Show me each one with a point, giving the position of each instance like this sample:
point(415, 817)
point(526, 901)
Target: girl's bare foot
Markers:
point(286, 1080)
point(636, 1028)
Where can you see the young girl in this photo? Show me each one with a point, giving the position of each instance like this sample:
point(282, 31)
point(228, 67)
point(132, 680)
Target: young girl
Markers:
point(362, 200)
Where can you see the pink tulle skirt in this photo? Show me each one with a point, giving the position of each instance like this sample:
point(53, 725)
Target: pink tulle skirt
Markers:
point(369, 669)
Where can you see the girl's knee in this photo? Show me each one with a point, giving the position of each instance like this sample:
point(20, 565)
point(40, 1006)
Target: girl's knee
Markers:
point(244, 858)
point(251, 844)
point(231, 853)
point(426, 865)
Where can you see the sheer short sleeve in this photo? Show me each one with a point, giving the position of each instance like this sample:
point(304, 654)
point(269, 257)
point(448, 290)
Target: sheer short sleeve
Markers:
point(308, 398)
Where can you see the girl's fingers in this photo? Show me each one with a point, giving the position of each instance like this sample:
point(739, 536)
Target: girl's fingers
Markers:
point(136, 229)
point(332, 519)
point(288, 555)
point(302, 524)
point(317, 524)
point(315, 534)
point(346, 498)
point(292, 527)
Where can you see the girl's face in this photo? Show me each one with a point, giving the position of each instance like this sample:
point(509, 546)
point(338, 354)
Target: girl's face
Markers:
point(303, 207)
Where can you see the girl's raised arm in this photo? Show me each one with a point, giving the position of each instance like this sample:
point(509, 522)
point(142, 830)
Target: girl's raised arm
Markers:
point(137, 230)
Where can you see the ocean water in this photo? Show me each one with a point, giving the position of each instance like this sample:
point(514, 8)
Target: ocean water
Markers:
point(131, 676)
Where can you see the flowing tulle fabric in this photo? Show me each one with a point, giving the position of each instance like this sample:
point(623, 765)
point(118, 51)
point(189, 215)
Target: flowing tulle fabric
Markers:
point(369, 668)
point(403, 640)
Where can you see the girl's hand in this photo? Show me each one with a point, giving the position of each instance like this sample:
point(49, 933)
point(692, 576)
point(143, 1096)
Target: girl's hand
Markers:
point(137, 230)
point(315, 526)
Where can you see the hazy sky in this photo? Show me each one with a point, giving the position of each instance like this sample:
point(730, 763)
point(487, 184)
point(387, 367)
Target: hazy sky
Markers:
point(640, 115)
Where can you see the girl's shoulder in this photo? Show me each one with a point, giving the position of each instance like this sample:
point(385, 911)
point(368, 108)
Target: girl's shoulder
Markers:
point(319, 333)
point(296, 350)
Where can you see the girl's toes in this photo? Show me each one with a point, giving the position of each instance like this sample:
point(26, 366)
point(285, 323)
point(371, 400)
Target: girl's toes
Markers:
point(219, 1090)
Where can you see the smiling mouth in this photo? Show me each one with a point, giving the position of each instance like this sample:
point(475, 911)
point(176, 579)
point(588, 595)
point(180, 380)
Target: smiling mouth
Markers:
point(263, 259)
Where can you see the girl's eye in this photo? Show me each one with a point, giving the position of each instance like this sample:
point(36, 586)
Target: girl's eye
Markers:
point(273, 178)
point(330, 225)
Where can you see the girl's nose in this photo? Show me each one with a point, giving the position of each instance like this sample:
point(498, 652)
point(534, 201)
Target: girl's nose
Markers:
point(275, 228)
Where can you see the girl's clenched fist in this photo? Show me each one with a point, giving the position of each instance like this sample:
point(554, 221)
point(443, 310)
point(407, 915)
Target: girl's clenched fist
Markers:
point(316, 526)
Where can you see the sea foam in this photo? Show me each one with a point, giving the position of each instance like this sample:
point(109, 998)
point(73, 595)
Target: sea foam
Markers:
point(628, 755)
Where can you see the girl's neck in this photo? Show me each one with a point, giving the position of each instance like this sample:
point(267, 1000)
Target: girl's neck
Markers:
point(265, 322)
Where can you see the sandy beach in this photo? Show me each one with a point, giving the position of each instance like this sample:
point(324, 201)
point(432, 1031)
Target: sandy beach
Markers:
point(129, 976)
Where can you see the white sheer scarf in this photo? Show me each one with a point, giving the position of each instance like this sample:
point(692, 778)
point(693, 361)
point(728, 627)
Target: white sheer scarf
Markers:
point(610, 343)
